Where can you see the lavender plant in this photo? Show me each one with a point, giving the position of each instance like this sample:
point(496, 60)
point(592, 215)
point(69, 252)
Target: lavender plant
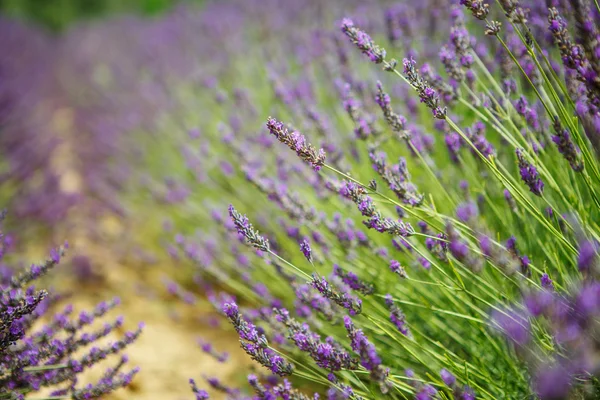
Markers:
point(442, 311)
point(43, 353)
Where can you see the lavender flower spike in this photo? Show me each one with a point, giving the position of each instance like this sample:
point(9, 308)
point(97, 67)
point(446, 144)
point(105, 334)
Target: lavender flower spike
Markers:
point(363, 41)
point(353, 281)
point(529, 174)
point(572, 54)
point(329, 355)
point(345, 300)
point(200, 393)
point(447, 377)
point(244, 228)
point(297, 142)
point(395, 121)
point(566, 147)
point(397, 316)
point(306, 250)
point(425, 91)
point(368, 355)
point(478, 8)
point(254, 343)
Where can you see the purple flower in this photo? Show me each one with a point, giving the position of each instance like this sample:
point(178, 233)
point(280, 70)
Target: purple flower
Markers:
point(427, 94)
point(395, 121)
point(396, 268)
point(552, 383)
point(467, 393)
point(353, 281)
point(208, 348)
point(467, 211)
point(476, 135)
point(424, 263)
point(566, 147)
point(478, 8)
point(200, 393)
point(572, 54)
point(486, 245)
point(397, 177)
point(342, 299)
point(546, 282)
point(363, 41)
point(254, 343)
point(245, 229)
point(427, 392)
point(458, 249)
point(588, 253)
point(513, 324)
point(397, 316)
point(453, 143)
point(368, 354)
point(306, 250)
point(329, 355)
point(297, 142)
point(447, 377)
point(529, 174)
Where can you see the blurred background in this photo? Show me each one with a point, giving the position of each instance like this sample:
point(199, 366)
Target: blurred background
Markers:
point(57, 15)
point(51, 118)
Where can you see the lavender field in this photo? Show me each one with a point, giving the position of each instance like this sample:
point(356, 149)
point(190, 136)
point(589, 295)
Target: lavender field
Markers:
point(302, 199)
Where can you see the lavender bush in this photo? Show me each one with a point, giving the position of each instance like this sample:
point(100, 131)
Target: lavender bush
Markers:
point(39, 352)
point(436, 232)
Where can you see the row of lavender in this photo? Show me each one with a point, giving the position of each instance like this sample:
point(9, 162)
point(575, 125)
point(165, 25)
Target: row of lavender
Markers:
point(474, 275)
point(497, 226)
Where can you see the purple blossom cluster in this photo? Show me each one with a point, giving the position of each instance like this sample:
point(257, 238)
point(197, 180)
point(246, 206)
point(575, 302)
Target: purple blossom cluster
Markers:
point(339, 297)
point(566, 147)
point(306, 250)
point(570, 321)
point(493, 95)
point(463, 393)
point(309, 299)
point(476, 135)
point(395, 121)
point(208, 348)
point(426, 93)
point(397, 177)
point(478, 8)
point(246, 230)
point(397, 316)
point(275, 391)
point(580, 58)
point(297, 142)
point(328, 355)
point(363, 41)
point(255, 344)
point(529, 174)
point(353, 281)
point(396, 268)
point(357, 194)
point(55, 353)
point(369, 358)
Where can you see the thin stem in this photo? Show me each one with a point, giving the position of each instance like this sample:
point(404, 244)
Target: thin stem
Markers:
point(289, 264)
